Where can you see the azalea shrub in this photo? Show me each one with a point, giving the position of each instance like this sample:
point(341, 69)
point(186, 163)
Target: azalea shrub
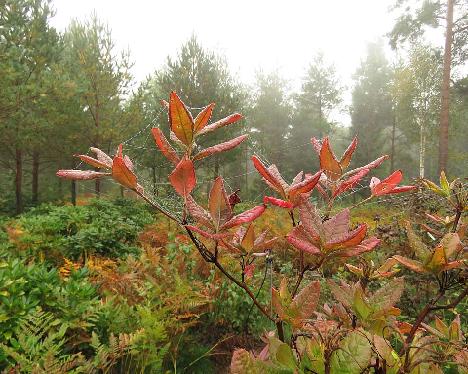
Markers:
point(358, 327)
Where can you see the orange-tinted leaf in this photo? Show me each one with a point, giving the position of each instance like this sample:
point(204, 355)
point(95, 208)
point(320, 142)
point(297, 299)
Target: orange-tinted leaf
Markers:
point(248, 240)
point(346, 158)
point(245, 217)
point(220, 147)
point(277, 304)
point(183, 177)
point(350, 239)
point(401, 189)
point(164, 146)
point(219, 206)
point(268, 176)
point(221, 123)
point(366, 245)
point(180, 119)
point(122, 173)
point(277, 202)
point(307, 300)
point(437, 260)
point(92, 161)
point(410, 264)
point(379, 188)
point(328, 162)
point(80, 174)
point(203, 117)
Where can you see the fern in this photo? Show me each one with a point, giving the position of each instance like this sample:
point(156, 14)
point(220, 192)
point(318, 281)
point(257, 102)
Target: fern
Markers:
point(38, 345)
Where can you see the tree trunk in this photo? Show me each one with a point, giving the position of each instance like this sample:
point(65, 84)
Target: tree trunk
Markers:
point(445, 97)
point(392, 154)
point(97, 187)
point(35, 177)
point(73, 192)
point(422, 149)
point(19, 181)
point(155, 187)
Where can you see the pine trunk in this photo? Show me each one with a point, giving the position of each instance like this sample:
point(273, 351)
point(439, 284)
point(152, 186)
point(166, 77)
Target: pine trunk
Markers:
point(445, 97)
point(35, 177)
point(392, 155)
point(73, 192)
point(422, 149)
point(19, 180)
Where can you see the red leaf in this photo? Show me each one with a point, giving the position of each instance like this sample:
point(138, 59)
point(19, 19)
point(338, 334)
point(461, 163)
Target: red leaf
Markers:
point(121, 171)
point(220, 147)
point(379, 188)
point(234, 199)
point(305, 186)
point(277, 202)
point(221, 123)
point(346, 158)
point(249, 271)
point(350, 182)
point(203, 117)
point(245, 217)
point(164, 146)
point(267, 175)
point(183, 177)
point(80, 174)
point(403, 189)
point(328, 162)
point(180, 119)
point(299, 238)
point(373, 164)
point(350, 239)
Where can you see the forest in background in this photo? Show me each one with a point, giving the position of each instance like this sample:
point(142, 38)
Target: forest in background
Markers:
point(72, 90)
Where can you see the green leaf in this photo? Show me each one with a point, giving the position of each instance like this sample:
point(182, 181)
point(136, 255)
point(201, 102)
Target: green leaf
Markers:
point(353, 355)
point(285, 356)
point(444, 184)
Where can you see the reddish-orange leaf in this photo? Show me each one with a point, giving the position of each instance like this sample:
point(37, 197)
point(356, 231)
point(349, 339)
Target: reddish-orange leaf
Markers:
point(164, 146)
point(180, 119)
point(207, 234)
point(328, 161)
point(248, 239)
point(277, 202)
point(305, 186)
point(401, 189)
point(203, 117)
point(267, 175)
point(80, 174)
point(351, 239)
point(183, 177)
point(226, 146)
point(197, 212)
point(379, 188)
point(346, 158)
point(121, 171)
point(221, 123)
point(245, 217)
point(365, 246)
point(102, 157)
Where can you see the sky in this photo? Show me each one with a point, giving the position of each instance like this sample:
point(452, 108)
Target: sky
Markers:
point(251, 34)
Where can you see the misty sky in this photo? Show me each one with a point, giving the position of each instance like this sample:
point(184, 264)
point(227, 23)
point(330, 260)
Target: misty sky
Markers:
point(282, 35)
